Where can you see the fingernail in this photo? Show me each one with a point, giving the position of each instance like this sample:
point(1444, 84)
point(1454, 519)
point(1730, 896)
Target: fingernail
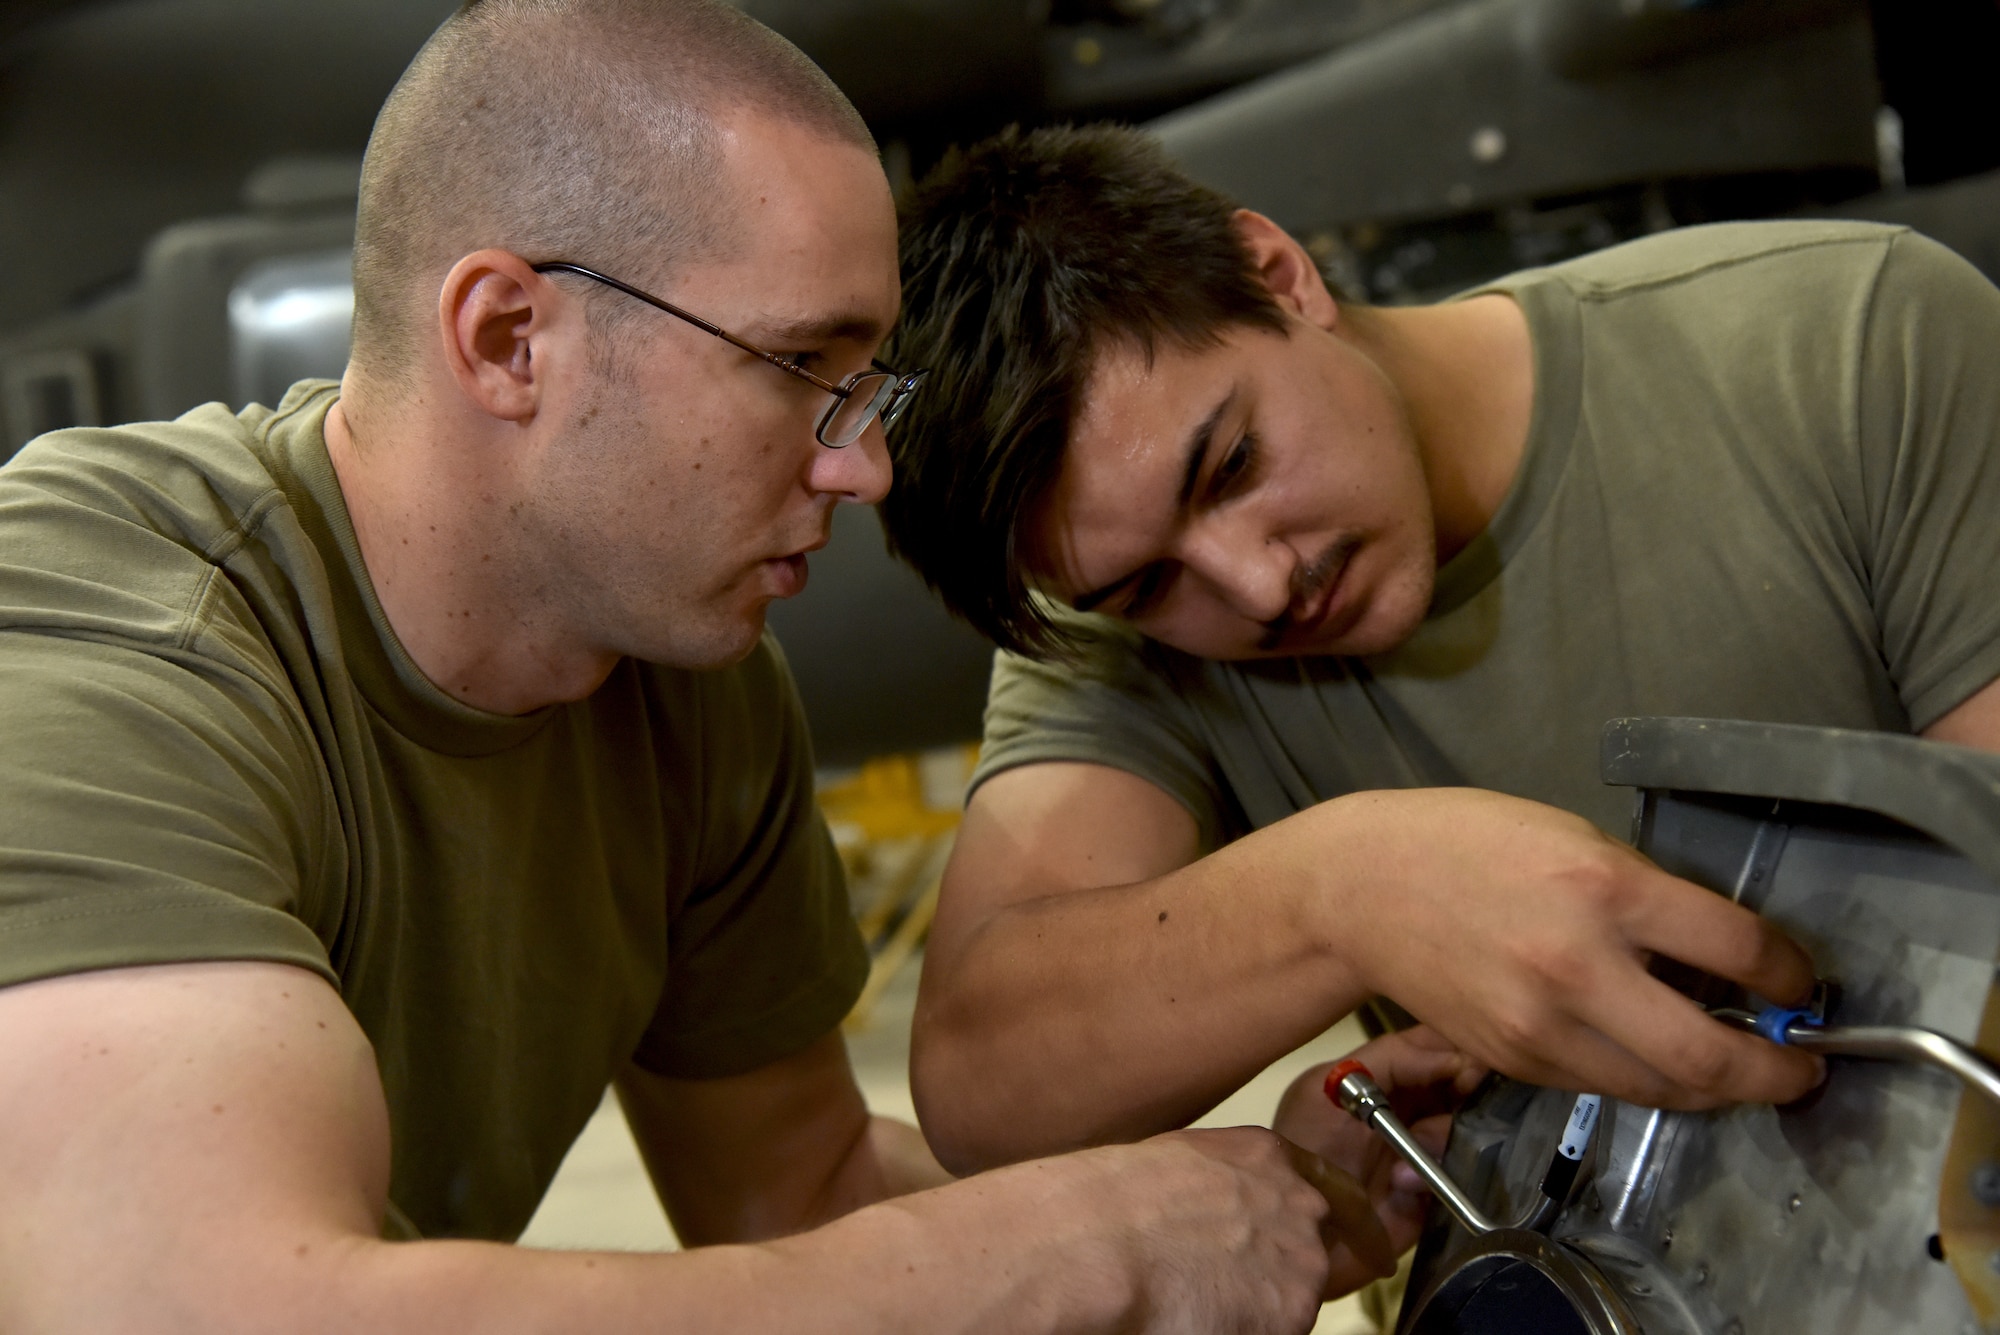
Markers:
point(1402, 1177)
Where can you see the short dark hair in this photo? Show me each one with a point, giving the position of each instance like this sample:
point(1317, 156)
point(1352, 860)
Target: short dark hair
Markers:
point(1023, 258)
point(564, 129)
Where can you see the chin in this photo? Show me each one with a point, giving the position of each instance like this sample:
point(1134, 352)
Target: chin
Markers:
point(719, 644)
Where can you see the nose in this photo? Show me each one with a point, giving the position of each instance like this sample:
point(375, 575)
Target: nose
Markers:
point(858, 472)
point(1251, 571)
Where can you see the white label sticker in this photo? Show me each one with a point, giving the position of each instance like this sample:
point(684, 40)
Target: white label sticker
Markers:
point(1582, 1120)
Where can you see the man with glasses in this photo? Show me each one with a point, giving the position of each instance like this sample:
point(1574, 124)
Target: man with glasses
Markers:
point(384, 773)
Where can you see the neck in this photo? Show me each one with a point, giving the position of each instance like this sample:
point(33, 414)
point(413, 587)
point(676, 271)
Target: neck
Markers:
point(1466, 373)
point(433, 515)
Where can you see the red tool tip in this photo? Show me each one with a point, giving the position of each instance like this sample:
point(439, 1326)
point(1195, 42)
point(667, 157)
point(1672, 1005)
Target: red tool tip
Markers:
point(1341, 1070)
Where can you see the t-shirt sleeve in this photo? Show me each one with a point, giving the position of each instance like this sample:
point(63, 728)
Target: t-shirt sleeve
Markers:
point(150, 811)
point(1121, 704)
point(1929, 417)
point(764, 955)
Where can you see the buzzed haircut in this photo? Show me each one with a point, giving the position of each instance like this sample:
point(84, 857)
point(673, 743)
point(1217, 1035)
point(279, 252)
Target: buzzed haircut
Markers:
point(1024, 257)
point(581, 130)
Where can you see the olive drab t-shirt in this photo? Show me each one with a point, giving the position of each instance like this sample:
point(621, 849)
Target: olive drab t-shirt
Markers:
point(212, 747)
point(1762, 481)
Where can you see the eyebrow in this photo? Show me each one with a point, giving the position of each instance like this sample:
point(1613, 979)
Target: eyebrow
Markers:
point(1197, 449)
point(854, 326)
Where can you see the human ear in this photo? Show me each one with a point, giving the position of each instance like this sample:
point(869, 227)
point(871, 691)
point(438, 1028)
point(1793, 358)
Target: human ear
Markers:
point(494, 311)
point(1286, 269)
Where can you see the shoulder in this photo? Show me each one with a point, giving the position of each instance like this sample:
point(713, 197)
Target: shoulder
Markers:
point(192, 478)
point(1105, 656)
point(1728, 254)
point(129, 523)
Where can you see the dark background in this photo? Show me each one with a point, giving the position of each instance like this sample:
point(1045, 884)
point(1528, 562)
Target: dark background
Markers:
point(155, 152)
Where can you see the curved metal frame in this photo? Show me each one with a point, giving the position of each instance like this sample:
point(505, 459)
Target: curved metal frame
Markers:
point(1580, 1283)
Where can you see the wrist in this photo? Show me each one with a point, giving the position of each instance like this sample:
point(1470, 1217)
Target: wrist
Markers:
point(1326, 873)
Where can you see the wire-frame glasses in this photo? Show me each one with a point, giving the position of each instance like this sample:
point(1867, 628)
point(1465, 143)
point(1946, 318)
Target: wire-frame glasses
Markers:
point(857, 400)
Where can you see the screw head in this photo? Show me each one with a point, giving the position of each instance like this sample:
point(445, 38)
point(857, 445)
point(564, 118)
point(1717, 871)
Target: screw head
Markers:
point(1985, 1184)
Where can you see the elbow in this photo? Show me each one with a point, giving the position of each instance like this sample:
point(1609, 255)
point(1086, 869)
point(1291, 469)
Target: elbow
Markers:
point(954, 1111)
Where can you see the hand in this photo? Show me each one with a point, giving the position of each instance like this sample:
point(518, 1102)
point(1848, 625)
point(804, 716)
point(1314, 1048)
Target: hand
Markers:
point(1523, 933)
point(1228, 1230)
point(1425, 1078)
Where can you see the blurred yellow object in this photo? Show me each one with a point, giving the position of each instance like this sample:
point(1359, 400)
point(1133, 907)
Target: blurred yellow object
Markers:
point(892, 822)
point(886, 799)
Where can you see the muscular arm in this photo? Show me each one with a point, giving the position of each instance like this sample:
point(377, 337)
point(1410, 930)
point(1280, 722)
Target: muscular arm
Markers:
point(1084, 983)
point(1974, 723)
point(205, 1149)
point(785, 1148)
point(1090, 979)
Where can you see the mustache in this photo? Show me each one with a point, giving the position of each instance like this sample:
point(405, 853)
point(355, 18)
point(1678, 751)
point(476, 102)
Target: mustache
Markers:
point(1309, 580)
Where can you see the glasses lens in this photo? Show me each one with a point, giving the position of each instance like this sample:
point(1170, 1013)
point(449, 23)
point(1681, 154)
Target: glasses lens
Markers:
point(901, 398)
point(850, 416)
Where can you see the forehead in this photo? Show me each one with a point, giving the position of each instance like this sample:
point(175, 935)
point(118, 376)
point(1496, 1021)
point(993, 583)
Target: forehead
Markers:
point(812, 226)
point(1115, 500)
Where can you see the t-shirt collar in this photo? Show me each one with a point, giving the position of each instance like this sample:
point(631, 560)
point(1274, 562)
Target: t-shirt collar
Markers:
point(1553, 331)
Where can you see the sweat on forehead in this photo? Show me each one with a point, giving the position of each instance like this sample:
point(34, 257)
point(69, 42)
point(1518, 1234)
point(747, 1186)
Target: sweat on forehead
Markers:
point(565, 129)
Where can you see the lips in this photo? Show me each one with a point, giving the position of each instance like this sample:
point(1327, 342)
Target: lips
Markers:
point(788, 574)
point(1320, 601)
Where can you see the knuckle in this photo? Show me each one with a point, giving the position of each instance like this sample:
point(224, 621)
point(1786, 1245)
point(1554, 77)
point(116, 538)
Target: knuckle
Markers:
point(1517, 1028)
point(1599, 880)
point(1703, 1064)
point(1564, 964)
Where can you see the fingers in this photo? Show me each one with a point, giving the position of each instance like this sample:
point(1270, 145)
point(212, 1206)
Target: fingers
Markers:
point(1351, 1217)
point(1698, 1062)
point(1567, 1053)
point(1680, 919)
point(1413, 1057)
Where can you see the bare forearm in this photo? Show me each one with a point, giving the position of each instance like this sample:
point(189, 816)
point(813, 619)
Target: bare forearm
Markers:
point(1110, 1014)
point(888, 1159)
point(936, 1264)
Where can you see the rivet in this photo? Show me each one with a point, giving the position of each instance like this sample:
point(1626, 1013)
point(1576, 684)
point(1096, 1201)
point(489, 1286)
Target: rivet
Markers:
point(1488, 144)
point(1794, 1203)
point(1087, 51)
point(1986, 1185)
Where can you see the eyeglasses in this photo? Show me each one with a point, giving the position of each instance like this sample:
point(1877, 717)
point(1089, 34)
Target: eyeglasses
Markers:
point(857, 400)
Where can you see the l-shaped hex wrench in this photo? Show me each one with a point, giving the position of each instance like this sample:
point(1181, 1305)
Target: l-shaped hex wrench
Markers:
point(1350, 1085)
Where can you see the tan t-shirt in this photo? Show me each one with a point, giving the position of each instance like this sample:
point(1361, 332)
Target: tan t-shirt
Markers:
point(212, 747)
point(1762, 481)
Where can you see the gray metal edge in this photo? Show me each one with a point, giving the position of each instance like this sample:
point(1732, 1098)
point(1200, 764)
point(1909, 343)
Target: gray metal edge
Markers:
point(1951, 793)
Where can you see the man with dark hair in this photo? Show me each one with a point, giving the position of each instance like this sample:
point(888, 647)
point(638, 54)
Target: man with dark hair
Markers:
point(383, 774)
point(1312, 614)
